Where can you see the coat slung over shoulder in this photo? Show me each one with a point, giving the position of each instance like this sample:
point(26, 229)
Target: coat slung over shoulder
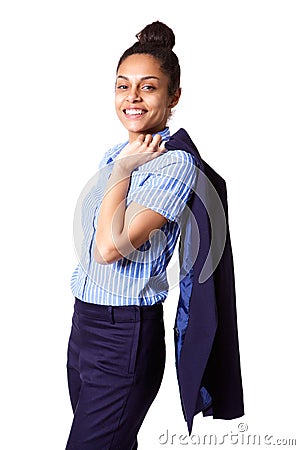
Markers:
point(205, 332)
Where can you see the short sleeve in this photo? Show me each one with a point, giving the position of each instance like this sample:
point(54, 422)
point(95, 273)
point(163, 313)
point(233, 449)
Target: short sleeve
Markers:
point(168, 184)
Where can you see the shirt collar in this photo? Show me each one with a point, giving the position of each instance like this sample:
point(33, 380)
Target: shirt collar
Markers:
point(165, 134)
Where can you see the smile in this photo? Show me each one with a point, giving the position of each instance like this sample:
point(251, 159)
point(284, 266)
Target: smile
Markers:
point(134, 113)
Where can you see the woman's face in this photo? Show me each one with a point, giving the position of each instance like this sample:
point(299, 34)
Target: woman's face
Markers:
point(142, 100)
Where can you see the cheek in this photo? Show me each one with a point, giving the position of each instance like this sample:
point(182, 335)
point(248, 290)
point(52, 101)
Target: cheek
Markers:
point(161, 109)
point(119, 98)
point(159, 105)
point(118, 104)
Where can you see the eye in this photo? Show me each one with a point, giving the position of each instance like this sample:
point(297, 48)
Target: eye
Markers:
point(148, 87)
point(122, 86)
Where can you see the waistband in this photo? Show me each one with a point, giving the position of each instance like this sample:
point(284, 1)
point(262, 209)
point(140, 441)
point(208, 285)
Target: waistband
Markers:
point(119, 313)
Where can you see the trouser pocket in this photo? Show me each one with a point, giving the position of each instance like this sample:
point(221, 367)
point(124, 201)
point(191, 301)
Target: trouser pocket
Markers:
point(109, 347)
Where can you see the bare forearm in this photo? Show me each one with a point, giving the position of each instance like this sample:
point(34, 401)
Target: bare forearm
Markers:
point(111, 215)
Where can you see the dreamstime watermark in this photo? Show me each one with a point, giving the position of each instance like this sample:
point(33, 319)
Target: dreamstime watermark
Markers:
point(239, 437)
point(87, 211)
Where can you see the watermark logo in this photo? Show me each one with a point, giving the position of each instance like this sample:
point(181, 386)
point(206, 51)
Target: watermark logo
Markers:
point(241, 436)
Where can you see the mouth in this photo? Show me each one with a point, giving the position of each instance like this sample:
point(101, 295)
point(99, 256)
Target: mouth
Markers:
point(134, 113)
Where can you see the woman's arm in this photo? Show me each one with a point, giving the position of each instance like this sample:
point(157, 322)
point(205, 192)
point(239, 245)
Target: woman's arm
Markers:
point(121, 230)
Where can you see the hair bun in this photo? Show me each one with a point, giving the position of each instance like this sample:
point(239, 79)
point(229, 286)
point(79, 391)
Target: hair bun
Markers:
point(157, 33)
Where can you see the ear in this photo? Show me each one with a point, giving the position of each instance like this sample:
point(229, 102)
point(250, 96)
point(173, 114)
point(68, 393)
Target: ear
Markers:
point(175, 98)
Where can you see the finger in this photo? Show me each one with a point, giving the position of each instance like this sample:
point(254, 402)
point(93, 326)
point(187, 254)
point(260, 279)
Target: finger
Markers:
point(162, 146)
point(156, 141)
point(148, 139)
point(140, 138)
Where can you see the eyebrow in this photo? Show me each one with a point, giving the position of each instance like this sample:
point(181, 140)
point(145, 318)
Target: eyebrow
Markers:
point(142, 79)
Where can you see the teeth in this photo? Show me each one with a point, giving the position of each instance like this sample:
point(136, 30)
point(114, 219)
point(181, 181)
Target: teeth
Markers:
point(134, 111)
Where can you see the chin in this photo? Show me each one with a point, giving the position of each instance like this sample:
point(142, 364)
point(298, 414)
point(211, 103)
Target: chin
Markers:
point(135, 129)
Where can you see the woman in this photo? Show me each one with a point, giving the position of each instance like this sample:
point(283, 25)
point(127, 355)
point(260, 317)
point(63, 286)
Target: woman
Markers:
point(116, 352)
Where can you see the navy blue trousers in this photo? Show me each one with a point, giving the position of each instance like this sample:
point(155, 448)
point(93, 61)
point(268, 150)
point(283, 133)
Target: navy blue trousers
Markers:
point(115, 365)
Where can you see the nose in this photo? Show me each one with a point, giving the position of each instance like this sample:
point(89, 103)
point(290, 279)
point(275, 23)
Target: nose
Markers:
point(133, 95)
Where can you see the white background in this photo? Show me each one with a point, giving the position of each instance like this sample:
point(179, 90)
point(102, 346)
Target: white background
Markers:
point(240, 104)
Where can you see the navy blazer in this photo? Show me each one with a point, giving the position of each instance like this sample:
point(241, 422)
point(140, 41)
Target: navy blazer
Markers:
point(205, 332)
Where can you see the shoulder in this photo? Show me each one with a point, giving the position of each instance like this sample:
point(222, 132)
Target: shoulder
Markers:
point(174, 166)
point(179, 162)
point(179, 155)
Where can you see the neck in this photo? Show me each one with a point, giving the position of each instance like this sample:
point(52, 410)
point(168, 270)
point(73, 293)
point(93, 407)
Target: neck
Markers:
point(132, 136)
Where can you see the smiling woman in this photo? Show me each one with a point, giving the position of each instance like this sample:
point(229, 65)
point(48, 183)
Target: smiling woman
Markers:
point(116, 352)
point(143, 103)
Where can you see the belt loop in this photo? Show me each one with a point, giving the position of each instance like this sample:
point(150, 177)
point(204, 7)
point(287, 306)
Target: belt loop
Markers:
point(111, 314)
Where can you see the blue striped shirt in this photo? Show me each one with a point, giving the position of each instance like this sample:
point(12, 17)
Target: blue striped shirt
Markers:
point(163, 184)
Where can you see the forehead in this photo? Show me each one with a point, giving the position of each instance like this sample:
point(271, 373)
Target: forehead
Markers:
point(141, 65)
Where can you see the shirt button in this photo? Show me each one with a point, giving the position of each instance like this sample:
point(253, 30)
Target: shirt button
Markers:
point(176, 331)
